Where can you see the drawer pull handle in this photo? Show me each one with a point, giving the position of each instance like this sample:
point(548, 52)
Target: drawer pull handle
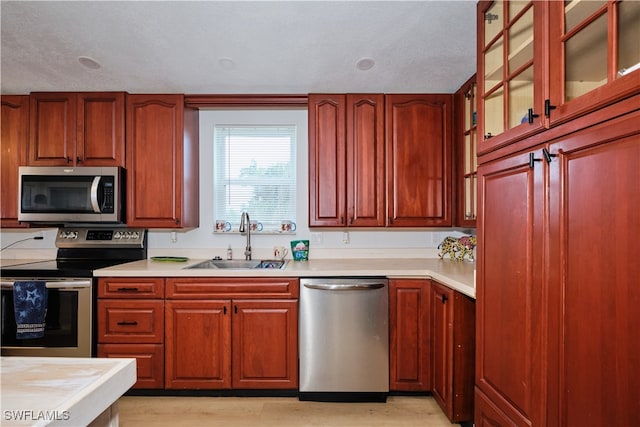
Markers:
point(127, 289)
point(126, 323)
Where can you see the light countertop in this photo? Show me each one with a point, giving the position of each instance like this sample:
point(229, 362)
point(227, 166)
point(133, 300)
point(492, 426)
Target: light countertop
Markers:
point(458, 275)
point(61, 391)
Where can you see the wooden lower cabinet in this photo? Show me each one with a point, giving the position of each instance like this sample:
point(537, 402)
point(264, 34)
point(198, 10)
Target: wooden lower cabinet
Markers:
point(198, 344)
point(453, 344)
point(131, 324)
point(248, 342)
point(149, 361)
point(410, 343)
point(264, 344)
point(487, 414)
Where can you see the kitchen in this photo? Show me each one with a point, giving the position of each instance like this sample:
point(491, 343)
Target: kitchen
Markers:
point(413, 243)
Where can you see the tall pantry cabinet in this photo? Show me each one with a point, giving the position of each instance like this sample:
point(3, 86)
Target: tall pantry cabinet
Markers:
point(558, 196)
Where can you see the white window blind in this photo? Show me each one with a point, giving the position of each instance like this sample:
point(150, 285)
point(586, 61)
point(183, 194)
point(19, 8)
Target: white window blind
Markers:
point(255, 171)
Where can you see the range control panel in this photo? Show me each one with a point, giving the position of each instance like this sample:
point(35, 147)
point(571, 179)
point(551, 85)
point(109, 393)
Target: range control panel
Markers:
point(100, 237)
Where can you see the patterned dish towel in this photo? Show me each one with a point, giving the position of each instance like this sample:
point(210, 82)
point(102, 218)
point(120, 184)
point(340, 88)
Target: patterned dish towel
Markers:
point(30, 302)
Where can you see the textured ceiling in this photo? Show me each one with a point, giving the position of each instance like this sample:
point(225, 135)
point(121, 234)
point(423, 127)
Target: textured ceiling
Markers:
point(240, 47)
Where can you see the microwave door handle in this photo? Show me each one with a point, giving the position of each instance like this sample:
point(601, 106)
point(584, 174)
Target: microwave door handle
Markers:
point(95, 186)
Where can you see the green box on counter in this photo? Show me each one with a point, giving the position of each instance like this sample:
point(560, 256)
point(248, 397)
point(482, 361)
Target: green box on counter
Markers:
point(300, 250)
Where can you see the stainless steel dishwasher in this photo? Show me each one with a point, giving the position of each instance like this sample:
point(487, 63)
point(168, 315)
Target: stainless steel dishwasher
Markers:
point(344, 339)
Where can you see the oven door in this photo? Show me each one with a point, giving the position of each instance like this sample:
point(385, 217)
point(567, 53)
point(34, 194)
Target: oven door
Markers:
point(68, 320)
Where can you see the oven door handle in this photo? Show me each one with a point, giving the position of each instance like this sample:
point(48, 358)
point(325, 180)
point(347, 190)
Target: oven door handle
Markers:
point(55, 284)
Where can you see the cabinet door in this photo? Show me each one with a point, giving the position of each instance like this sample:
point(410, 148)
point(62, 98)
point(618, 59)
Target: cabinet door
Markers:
point(511, 71)
point(100, 140)
point(265, 344)
point(327, 160)
point(453, 344)
point(419, 160)
point(149, 361)
point(365, 161)
point(14, 140)
point(594, 351)
point(442, 344)
point(162, 150)
point(593, 55)
point(409, 362)
point(52, 130)
point(198, 344)
point(487, 414)
point(510, 287)
point(466, 176)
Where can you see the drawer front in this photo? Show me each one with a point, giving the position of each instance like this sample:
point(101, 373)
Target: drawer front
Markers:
point(231, 287)
point(149, 361)
point(139, 321)
point(131, 287)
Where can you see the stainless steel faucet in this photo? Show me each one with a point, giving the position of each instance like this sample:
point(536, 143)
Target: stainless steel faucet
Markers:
point(245, 228)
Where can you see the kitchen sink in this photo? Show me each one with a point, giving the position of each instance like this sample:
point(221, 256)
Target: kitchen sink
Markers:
point(237, 264)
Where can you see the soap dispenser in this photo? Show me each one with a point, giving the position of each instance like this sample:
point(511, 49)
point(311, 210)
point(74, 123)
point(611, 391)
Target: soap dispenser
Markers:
point(229, 253)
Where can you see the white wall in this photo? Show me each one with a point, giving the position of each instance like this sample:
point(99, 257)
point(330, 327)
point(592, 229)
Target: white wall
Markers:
point(204, 243)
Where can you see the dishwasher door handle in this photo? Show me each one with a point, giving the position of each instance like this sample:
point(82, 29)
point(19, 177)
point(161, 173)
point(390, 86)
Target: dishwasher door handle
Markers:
point(345, 287)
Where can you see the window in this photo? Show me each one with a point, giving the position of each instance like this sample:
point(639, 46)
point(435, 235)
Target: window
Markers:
point(255, 171)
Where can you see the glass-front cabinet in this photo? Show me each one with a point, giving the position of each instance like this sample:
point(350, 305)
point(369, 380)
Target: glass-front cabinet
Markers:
point(510, 77)
point(594, 55)
point(542, 63)
point(466, 98)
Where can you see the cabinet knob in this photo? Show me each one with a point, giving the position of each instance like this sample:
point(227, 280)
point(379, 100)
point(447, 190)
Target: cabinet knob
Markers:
point(68, 159)
point(531, 115)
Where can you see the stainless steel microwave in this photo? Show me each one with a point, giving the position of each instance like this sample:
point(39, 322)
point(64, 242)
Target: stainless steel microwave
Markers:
point(60, 195)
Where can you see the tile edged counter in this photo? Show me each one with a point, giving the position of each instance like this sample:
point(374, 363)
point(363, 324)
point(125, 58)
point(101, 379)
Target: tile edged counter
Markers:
point(63, 391)
point(457, 275)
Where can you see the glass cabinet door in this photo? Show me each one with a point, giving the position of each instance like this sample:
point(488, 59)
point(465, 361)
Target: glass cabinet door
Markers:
point(510, 82)
point(594, 55)
point(468, 163)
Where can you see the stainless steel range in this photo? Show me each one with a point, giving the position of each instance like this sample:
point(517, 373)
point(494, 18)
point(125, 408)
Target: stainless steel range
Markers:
point(70, 329)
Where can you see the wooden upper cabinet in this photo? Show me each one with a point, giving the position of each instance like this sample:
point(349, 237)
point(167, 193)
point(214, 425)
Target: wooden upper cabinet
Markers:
point(594, 56)
point(543, 63)
point(162, 162)
point(100, 140)
point(365, 160)
point(327, 160)
point(511, 43)
point(419, 159)
point(466, 137)
point(78, 129)
point(346, 160)
point(14, 140)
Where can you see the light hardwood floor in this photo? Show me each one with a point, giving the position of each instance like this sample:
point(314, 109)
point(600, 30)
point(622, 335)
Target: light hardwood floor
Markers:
point(399, 411)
